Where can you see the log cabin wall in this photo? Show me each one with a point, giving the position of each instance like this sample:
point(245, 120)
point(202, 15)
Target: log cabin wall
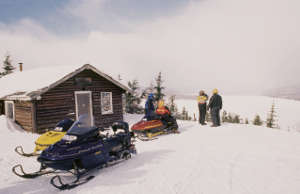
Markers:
point(23, 115)
point(56, 103)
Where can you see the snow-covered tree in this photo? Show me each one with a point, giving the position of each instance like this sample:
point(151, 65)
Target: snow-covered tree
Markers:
point(246, 121)
point(271, 117)
point(147, 90)
point(158, 93)
point(133, 99)
point(230, 118)
point(7, 65)
point(257, 121)
point(224, 116)
point(236, 119)
point(172, 105)
point(184, 115)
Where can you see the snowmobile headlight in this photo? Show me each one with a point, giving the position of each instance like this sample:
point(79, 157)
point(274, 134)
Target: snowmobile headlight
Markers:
point(69, 138)
point(59, 129)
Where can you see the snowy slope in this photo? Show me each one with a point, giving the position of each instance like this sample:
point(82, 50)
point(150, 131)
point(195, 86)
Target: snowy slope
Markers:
point(287, 111)
point(241, 159)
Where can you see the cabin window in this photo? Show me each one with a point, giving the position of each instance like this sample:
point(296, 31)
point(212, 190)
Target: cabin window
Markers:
point(106, 103)
point(10, 109)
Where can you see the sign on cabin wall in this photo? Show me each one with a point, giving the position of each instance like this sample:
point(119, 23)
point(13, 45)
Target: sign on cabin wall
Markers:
point(106, 103)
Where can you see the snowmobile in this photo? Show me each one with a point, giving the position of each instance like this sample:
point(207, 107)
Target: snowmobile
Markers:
point(48, 138)
point(148, 130)
point(82, 150)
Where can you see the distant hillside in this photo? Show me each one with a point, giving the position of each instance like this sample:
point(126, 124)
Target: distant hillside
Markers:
point(291, 92)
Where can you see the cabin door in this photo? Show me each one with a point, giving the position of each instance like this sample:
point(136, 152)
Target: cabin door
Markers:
point(83, 103)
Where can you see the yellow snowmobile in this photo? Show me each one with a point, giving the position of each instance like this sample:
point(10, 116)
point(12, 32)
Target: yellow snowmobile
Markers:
point(48, 138)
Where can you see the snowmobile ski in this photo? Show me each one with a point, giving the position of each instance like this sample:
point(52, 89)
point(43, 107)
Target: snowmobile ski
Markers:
point(23, 174)
point(19, 150)
point(148, 136)
point(58, 183)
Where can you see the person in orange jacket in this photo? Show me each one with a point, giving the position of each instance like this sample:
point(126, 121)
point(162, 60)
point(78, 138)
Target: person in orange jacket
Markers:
point(165, 114)
point(161, 109)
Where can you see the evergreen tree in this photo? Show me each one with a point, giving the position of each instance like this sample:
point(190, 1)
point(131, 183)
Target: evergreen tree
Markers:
point(159, 88)
point(230, 118)
point(224, 116)
point(271, 117)
point(147, 91)
point(172, 106)
point(132, 98)
point(184, 114)
point(246, 121)
point(7, 66)
point(257, 121)
point(187, 117)
point(236, 119)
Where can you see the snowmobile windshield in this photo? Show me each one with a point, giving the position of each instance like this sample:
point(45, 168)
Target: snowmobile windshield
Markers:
point(64, 125)
point(81, 126)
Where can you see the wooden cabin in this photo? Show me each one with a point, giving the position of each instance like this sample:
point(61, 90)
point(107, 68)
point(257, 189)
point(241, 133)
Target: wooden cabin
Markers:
point(38, 99)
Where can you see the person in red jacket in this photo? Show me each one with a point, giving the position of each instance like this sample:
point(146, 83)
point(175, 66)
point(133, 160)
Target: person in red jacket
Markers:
point(162, 110)
point(165, 115)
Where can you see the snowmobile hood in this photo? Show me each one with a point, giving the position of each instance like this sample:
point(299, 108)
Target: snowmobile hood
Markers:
point(64, 150)
point(145, 125)
point(49, 138)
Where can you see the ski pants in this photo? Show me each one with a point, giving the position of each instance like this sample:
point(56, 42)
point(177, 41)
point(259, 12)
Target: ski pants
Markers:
point(215, 116)
point(202, 113)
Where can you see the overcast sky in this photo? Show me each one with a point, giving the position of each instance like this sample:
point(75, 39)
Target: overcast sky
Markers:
point(237, 46)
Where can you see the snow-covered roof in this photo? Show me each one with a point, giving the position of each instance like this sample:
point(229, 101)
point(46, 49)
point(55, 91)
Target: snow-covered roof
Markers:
point(30, 84)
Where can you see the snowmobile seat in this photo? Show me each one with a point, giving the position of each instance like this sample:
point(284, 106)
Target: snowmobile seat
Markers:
point(120, 125)
point(86, 133)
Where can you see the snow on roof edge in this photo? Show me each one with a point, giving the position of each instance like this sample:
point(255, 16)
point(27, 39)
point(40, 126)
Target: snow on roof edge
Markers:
point(23, 94)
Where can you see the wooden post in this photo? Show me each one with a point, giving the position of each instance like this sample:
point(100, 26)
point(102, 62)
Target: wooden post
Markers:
point(21, 66)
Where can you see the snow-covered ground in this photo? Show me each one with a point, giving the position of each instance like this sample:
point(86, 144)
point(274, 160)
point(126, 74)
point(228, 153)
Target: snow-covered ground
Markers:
point(287, 111)
point(233, 159)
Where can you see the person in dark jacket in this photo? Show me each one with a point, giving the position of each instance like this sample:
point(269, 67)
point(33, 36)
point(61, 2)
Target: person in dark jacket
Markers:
point(149, 107)
point(202, 99)
point(215, 105)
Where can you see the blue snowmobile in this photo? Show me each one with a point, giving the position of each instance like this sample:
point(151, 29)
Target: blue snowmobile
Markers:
point(82, 150)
